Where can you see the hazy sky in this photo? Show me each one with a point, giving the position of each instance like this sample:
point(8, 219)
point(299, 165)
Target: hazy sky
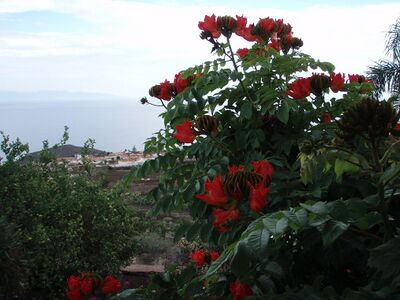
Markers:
point(124, 47)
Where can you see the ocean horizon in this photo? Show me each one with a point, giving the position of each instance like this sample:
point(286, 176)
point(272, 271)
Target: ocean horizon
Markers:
point(115, 124)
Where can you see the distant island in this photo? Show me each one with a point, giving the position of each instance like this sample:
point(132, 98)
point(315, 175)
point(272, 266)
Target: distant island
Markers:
point(69, 151)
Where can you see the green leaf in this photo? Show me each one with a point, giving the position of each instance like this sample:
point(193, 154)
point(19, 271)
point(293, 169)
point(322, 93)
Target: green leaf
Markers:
point(283, 112)
point(258, 241)
point(346, 166)
point(331, 230)
point(319, 208)
point(276, 226)
point(391, 173)
point(246, 110)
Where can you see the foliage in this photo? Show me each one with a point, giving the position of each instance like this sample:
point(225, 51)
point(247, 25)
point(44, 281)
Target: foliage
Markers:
point(323, 224)
point(55, 224)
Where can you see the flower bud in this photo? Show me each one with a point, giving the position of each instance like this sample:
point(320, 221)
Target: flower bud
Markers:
point(319, 83)
point(226, 25)
point(296, 43)
point(204, 35)
point(144, 100)
point(155, 91)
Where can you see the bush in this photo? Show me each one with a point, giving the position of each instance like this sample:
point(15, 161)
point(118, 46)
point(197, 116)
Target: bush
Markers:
point(57, 224)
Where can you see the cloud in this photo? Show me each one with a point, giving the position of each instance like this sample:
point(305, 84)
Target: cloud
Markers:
point(139, 44)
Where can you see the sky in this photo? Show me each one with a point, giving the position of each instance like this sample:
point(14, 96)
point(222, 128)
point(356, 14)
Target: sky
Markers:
point(124, 47)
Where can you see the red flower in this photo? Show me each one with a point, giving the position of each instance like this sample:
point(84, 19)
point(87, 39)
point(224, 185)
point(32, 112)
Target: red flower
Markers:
point(74, 295)
point(215, 192)
point(214, 255)
point(74, 283)
point(240, 290)
point(199, 257)
point(180, 83)
point(224, 217)
point(233, 169)
point(87, 286)
point(263, 168)
point(242, 52)
point(299, 89)
point(268, 25)
point(241, 24)
point(110, 285)
point(258, 197)
point(247, 35)
point(279, 25)
point(210, 25)
point(337, 82)
point(165, 90)
point(274, 45)
point(354, 78)
point(184, 132)
point(397, 127)
point(326, 118)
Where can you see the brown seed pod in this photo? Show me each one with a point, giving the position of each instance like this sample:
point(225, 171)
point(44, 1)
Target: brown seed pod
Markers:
point(297, 43)
point(154, 91)
point(238, 183)
point(207, 125)
point(369, 118)
point(319, 83)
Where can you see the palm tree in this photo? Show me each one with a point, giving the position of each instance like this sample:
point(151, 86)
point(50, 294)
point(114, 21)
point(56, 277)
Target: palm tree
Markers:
point(385, 73)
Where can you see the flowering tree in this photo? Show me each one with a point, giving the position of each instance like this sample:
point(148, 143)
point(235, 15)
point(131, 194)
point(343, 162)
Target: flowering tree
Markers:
point(292, 192)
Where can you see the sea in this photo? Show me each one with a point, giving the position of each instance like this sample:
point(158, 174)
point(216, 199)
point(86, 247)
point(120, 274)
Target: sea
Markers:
point(114, 124)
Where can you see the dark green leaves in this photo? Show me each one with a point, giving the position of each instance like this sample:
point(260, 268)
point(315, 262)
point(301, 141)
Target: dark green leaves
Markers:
point(283, 112)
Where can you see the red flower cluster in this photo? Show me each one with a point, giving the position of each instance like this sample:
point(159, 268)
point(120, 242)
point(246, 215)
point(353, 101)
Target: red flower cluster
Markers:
point(357, 78)
point(240, 290)
point(276, 31)
point(200, 257)
point(215, 194)
point(84, 285)
point(184, 132)
point(360, 79)
point(316, 84)
point(219, 195)
point(167, 90)
point(259, 193)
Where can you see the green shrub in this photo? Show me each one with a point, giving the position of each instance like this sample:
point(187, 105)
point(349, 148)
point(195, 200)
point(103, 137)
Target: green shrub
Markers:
point(60, 224)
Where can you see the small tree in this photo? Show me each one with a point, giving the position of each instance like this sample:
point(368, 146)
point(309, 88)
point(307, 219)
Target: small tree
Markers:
point(293, 189)
point(54, 224)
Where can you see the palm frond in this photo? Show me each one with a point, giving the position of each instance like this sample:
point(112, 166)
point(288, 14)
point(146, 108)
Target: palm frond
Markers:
point(393, 41)
point(386, 76)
